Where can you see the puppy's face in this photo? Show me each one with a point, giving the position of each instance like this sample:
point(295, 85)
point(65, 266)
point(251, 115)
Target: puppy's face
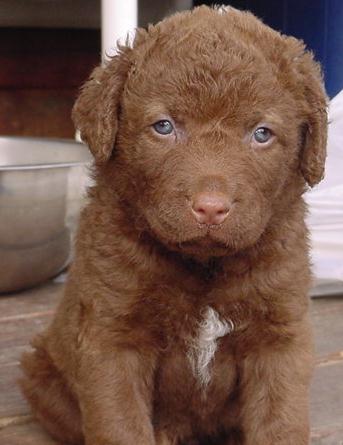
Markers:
point(208, 154)
point(210, 136)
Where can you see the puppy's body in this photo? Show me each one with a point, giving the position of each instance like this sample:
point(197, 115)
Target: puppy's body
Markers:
point(174, 330)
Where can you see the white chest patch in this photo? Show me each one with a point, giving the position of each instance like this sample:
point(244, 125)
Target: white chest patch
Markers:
point(204, 346)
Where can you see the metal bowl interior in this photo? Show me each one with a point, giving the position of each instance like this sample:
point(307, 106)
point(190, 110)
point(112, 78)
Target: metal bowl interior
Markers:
point(42, 188)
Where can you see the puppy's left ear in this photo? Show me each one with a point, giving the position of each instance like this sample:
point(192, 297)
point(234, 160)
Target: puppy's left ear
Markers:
point(95, 112)
point(313, 155)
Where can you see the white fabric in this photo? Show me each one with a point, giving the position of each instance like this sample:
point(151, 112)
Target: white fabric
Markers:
point(325, 202)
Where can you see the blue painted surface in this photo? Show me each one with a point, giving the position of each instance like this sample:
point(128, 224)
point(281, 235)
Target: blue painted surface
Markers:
point(319, 23)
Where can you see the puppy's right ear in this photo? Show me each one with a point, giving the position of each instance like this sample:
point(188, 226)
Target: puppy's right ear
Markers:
point(95, 112)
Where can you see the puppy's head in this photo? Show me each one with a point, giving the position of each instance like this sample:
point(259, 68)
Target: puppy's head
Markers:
point(208, 127)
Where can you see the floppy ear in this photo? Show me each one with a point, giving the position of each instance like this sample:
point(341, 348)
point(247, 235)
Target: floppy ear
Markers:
point(314, 150)
point(313, 155)
point(95, 112)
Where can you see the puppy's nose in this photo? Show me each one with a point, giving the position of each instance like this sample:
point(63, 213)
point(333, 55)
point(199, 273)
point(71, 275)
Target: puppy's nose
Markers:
point(210, 208)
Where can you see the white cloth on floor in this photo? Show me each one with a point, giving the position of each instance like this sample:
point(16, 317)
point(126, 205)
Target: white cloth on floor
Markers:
point(325, 218)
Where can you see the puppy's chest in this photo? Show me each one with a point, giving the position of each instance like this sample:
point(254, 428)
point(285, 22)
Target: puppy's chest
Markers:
point(197, 373)
point(198, 342)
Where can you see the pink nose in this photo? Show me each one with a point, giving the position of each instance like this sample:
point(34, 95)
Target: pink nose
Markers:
point(210, 208)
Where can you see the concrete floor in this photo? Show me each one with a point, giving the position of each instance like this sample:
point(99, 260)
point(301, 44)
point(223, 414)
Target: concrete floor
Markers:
point(24, 314)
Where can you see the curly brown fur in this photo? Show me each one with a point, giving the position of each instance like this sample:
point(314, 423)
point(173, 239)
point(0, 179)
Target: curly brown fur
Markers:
point(114, 367)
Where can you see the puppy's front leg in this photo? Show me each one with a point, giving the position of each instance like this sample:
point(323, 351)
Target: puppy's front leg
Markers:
point(275, 386)
point(115, 394)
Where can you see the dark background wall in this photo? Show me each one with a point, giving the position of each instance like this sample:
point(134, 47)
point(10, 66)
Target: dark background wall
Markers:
point(318, 22)
point(41, 72)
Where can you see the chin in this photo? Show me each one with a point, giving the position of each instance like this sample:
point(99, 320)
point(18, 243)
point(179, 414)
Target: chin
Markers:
point(201, 247)
point(204, 248)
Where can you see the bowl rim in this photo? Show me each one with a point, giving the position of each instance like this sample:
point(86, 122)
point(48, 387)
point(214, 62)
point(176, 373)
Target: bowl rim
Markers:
point(46, 165)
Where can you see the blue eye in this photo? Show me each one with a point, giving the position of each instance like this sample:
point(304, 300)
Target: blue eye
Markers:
point(262, 135)
point(164, 127)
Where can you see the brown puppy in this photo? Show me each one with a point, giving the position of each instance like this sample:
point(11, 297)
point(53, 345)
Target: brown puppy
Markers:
point(185, 317)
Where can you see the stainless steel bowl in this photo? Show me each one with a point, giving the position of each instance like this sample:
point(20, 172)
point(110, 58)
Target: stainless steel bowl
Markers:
point(42, 185)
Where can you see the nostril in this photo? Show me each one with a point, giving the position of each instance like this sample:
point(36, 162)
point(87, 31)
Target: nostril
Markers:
point(199, 210)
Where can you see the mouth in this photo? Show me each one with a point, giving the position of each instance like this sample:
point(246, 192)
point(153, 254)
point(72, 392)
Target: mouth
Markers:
point(205, 240)
point(205, 243)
